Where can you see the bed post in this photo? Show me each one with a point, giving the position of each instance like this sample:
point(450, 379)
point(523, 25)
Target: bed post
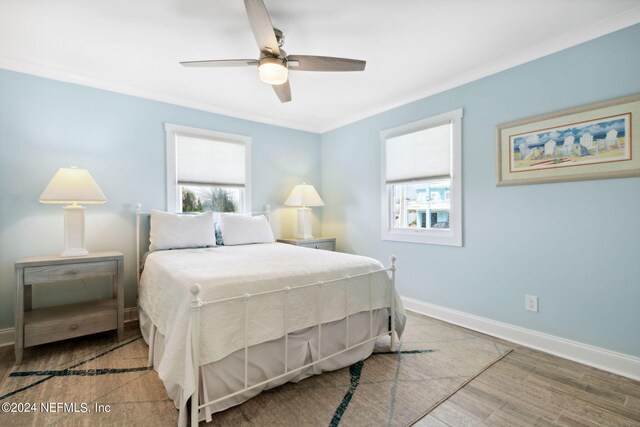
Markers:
point(138, 213)
point(393, 302)
point(152, 329)
point(267, 212)
point(196, 304)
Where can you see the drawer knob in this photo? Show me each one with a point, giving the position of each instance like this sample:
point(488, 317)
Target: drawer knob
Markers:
point(72, 272)
point(317, 247)
point(74, 327)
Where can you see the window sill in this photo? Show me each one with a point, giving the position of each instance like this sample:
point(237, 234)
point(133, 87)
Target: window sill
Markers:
point(429, 237)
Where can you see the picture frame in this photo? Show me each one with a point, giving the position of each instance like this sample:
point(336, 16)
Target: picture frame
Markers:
point(594, 141)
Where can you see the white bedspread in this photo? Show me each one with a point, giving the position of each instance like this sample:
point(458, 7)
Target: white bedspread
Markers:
point(230, 271)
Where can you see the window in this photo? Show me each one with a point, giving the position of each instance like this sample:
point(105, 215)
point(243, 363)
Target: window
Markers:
point(207, 170)
point(421, 188)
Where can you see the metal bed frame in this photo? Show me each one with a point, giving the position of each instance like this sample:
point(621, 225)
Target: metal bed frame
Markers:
point(197, 304)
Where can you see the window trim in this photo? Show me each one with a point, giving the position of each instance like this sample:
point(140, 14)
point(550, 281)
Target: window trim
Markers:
point(451, 236)
point(174, 197)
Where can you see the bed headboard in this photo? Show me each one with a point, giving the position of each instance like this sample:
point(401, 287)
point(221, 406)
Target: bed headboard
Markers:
point(143, 229)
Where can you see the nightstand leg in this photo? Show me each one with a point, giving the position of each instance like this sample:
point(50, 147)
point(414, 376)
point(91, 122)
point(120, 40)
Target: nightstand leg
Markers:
point(19, 331)
point(120, 296)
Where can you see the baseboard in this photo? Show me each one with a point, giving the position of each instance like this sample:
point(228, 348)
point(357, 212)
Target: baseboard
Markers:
point(7, 335)
point(617, 363)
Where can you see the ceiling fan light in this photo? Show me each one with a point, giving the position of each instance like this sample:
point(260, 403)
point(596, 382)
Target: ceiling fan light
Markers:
point(273, 71)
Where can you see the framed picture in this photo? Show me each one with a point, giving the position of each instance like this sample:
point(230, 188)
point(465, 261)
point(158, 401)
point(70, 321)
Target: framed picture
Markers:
point(593, 141)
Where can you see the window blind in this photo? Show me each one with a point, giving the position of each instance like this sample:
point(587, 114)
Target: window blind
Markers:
point(419, 155)
point(204, 161)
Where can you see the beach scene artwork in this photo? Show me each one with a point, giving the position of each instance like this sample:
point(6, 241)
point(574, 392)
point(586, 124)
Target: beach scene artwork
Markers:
point(602, 140)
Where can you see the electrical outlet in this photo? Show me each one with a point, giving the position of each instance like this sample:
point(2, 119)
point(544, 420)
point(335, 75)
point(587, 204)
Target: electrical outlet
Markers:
point(531, 303)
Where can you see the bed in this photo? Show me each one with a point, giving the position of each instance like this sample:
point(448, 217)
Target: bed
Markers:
point(225, 322)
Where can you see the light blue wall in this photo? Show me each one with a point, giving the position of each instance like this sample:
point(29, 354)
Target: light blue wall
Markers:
point(575, 245)
point(46, 124)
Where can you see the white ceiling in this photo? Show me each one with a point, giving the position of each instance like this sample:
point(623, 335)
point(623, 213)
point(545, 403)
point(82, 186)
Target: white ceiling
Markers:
point(413, 48)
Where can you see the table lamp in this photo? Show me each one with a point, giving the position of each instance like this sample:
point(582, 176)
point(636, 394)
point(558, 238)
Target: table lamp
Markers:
point(72, 186)
point(304, 195)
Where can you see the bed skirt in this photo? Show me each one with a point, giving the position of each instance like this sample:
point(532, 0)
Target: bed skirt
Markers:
point(266, 360)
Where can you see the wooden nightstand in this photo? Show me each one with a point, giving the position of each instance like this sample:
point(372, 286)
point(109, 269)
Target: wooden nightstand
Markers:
point(326, 243)
point(49, 324)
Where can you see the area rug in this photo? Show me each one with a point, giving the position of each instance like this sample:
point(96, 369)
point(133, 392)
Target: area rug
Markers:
point(103, 382)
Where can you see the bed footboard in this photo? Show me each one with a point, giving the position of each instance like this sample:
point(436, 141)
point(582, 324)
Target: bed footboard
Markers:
point(197, 304)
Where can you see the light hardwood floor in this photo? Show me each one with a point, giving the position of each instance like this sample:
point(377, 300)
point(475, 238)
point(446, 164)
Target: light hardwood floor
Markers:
point(7, 359)
point(532, 388)
point(525, 388)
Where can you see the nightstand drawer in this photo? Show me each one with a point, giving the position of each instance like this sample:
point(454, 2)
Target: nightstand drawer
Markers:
point(327, 246)
point(81, 270)
point(70, 321)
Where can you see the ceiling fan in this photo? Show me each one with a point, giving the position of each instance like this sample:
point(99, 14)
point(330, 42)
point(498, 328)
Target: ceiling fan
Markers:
point(274, 63)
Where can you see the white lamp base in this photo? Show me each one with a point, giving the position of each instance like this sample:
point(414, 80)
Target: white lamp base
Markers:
point(74, 231)
point(303, 229)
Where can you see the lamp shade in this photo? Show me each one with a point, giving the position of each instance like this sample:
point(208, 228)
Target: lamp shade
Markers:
point(72, 186)
point(304, 195)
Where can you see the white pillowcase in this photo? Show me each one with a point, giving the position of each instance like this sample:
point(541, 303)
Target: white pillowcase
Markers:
point(241, 230)
point(175, 231)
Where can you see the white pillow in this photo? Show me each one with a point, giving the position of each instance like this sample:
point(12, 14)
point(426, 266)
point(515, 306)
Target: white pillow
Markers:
point(175, 231)
point(241, 230)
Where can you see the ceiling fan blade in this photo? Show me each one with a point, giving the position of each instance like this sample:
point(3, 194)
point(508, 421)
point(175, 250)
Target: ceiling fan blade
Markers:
point(261, 26)
point(220, 63)
point(283, 91)
point(324, 63)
